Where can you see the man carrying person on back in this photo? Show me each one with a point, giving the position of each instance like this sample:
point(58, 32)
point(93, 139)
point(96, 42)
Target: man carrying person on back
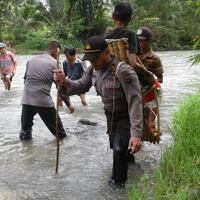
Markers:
point(118, 86)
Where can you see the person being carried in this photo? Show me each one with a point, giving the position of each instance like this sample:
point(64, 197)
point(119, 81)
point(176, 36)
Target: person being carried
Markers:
point(122, 15)
point(73, 69)
point(153, 64)
point(7, 66)
point(36, 98)
point(118, 85)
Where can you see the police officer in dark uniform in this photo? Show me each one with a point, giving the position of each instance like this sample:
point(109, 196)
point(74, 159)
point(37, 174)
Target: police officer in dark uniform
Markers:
point(118, 85)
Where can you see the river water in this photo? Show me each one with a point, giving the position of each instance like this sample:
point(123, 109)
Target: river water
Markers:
point(28, 168)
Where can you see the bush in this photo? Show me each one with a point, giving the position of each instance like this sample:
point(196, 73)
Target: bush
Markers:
point(35, 41)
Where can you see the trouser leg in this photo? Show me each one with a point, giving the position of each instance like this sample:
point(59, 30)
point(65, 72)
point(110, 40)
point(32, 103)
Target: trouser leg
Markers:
point(120, 166)
point(119, 143)
point(48, 116)
point(28, 113)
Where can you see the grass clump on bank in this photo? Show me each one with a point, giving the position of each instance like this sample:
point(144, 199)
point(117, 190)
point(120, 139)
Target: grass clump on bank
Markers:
point(178, 177)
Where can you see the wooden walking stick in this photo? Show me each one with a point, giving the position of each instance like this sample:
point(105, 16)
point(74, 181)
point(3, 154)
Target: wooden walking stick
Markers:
point(57, 132)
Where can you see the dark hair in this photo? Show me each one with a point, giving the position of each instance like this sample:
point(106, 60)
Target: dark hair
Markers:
point(123, 11)
point(70, 51)
point(54, 44)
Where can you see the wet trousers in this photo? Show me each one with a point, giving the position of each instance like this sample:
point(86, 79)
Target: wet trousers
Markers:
point(48, 116)
point(119, 140)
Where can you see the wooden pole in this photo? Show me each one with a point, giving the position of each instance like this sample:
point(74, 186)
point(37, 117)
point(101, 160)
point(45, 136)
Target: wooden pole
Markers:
point(57, 132)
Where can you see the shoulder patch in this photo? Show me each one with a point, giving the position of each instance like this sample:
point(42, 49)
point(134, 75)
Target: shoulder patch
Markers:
point(127, 77)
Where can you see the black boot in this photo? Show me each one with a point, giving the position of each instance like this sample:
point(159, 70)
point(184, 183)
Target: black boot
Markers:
point(62, 133)
point(25, 135)
point(120, 167)
point(130, 158)
point(115, 185)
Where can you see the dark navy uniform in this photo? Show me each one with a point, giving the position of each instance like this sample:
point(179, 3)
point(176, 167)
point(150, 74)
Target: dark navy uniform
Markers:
point(124, 113)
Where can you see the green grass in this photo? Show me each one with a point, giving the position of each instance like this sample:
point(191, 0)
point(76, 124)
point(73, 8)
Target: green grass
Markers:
point(178, 176)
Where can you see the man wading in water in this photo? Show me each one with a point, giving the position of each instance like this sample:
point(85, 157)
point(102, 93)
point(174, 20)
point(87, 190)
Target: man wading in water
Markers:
point(153, 64)
point(36, 96)
point(118, 86)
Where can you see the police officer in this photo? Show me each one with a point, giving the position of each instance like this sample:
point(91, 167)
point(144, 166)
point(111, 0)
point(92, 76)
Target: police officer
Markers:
point(148, 57)
point(119, 88)
point(153, 64)
point(36, 98)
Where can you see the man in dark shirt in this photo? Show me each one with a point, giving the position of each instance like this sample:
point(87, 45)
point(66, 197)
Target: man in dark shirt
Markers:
point(73, 69)
point(122, 15)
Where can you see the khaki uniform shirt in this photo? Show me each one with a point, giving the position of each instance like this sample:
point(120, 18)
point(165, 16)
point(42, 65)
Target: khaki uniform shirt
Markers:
point(127, 92)
point(153, 63)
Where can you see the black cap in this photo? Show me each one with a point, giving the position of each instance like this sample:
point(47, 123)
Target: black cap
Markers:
point(94, 46)
point(144, 33)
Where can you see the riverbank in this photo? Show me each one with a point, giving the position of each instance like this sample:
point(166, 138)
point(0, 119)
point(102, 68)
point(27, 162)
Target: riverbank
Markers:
point(33, 47)
point(178, 176)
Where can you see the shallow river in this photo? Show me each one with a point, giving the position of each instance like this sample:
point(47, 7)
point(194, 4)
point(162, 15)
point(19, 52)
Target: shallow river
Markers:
point(28, 168)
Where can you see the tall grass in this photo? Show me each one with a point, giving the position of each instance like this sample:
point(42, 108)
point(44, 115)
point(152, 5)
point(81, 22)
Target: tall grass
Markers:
point(178, 176)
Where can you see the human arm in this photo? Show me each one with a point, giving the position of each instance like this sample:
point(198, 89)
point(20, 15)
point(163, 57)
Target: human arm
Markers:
point(14, 66)
point(0, 69)
point(12, 56)
point(71, 87)
point(65, 67)
point(130, 84)
point(134, 50)
point(82, 69)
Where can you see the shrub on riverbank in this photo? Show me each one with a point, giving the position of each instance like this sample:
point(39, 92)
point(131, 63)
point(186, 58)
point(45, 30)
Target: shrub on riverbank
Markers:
point(35, 42)
point(178, 177)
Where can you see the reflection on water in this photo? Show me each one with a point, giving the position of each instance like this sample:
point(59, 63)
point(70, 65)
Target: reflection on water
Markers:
point(28, 168)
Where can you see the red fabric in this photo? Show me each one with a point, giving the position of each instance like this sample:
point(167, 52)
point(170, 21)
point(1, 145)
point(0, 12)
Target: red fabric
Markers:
point(150, 95)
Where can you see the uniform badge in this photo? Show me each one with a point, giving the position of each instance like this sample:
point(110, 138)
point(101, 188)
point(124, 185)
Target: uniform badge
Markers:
point(87, 47)
point(139, 31)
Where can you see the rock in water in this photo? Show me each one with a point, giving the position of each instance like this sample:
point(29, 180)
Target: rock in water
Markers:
point(87, 122)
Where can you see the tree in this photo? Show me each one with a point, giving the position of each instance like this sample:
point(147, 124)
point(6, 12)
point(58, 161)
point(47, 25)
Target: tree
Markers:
point(78, 18)
point(196, 59)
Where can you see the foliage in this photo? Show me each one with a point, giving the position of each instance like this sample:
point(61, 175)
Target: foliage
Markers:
point(178, 174)
point(172, 22)
point(196, 59)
